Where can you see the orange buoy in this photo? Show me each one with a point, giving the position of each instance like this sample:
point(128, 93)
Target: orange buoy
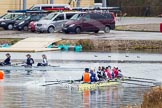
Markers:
point(1, 75)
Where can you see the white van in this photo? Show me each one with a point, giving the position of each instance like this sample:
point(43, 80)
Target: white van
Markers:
point(50, 7)
point(53, 21)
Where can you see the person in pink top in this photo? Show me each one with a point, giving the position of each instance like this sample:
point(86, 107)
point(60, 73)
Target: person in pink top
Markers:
point(108, 72)
point(116, 71)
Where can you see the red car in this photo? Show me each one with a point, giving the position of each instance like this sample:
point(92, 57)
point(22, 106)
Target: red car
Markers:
point(90, 22)
point(32, 26)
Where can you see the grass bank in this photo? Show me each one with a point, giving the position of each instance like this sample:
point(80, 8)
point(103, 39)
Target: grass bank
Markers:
point(139, 27)
point(106, 45)
point(153, 99)
point(109, 45)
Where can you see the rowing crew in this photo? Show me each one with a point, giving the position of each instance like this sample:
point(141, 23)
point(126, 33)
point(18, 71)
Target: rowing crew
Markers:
point(29, 61)
point(102, 74)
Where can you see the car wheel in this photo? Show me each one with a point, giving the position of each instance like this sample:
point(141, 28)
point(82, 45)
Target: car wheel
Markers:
point(51, 29)
point(96, 31)
point(10, 26)
point(107, 29)
point(25, 28)
point(77, 30)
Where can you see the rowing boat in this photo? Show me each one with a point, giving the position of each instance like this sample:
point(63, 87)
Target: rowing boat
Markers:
point(85, 86)
point(76, 84)
point(88, 86)
point(40, 68)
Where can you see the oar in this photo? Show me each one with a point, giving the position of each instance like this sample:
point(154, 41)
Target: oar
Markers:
point(17, 63)
point(140, 78)
point(50, 84)
point(65, 81)
point(135, 84)
point(53, 66)
point(60, 82)
point(139, 81)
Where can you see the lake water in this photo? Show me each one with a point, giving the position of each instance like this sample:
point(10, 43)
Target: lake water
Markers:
point(22, 88)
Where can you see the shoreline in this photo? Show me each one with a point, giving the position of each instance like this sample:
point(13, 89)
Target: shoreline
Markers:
point(105, 45)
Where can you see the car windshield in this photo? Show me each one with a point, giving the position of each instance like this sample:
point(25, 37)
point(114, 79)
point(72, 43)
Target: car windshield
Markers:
point(49, 16)
point(7, 16)
point(25, 17)
point(28, 17)
point(19, 17)
point(76, 17)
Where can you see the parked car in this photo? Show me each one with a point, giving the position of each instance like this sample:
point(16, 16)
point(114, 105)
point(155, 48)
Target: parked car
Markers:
point(53, 22)
point(90, 22)
point(8, 24)
point(24, 23)
point(11, 15)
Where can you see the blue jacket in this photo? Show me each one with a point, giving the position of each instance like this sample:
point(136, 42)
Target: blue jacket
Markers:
point(93, 76)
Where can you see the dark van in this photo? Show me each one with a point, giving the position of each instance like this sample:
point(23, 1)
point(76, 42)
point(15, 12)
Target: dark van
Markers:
point(90, 22)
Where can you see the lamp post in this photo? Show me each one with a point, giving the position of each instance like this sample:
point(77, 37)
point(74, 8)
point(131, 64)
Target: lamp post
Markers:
point(104, 3)
point(77, 3)
point(24, 4)
point(51, 1)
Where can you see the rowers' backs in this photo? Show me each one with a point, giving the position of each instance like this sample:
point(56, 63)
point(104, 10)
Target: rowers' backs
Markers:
point(28, 62)
point(101, 74)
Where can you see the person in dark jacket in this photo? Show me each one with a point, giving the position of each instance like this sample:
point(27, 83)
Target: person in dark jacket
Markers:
point(7, 61)
point(29, 60)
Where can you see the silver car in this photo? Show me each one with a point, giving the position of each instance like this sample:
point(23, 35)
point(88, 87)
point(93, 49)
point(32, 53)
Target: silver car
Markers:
point(53, 21)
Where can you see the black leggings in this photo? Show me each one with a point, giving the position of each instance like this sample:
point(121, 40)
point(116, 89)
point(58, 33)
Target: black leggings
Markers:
point(4, 64)
point(41, 64)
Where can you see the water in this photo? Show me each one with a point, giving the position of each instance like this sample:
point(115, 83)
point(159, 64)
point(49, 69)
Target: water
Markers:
point(22, 88)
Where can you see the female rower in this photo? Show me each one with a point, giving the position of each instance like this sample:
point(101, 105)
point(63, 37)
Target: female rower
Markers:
point(120, 75)
point(115, 71)
point(44, 62)
point(29, 60)
point(94, 77)
point(100, 73)
point(108, 72)
point(7, 61)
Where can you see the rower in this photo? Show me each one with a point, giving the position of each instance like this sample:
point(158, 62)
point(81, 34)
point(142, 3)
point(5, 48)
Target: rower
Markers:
point(100, 73)
point(94, 77)
point(29, 61)
point(44, 62)
point(7, 61)
point(115, 71)
point(120, 75)
point(86, 78)
point(108, 72)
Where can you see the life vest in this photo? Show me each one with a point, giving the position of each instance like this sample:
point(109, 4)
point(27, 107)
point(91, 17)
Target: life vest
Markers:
point(86, 77)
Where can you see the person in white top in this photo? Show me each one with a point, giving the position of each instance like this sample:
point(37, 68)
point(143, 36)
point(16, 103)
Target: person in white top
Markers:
point(44, 62)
